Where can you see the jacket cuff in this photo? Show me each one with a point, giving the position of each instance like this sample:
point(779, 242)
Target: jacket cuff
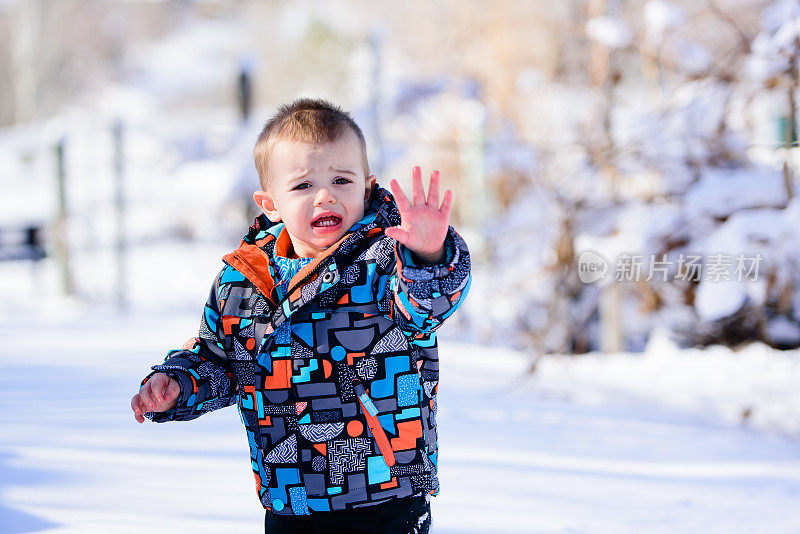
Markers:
point(412, 261)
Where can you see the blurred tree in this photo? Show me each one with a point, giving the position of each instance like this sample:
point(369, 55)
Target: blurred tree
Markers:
point(56, 50)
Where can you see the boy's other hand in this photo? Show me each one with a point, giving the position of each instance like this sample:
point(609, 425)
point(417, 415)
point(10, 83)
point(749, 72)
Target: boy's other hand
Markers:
point(159, 394)
point(423, 224)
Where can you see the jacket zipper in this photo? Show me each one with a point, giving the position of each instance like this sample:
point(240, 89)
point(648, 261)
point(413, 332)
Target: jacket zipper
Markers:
point(371, 413)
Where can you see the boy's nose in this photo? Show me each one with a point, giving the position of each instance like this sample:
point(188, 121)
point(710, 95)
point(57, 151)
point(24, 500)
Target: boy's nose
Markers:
point(324, 197)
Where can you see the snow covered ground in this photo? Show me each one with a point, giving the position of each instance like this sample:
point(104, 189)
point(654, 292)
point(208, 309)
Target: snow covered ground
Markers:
point(570, 451)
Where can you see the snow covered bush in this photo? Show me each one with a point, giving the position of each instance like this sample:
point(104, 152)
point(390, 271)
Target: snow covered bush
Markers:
point(664, 162)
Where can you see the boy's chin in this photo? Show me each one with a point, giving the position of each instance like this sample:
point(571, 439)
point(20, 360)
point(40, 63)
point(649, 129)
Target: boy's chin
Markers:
point(331, 239)
point(324, 232)
point(324, 242)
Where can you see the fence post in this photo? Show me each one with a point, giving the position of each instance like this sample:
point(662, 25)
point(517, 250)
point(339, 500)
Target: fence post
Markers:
point(611, 338)
point(244, 91)
point(375, 46)
point(61, 242)
point(119, 203)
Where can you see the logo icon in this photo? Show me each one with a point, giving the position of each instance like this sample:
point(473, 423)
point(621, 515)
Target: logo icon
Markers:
point(592, 266)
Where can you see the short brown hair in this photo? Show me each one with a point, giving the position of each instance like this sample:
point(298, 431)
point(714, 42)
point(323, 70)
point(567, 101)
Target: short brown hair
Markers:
point(305, 120)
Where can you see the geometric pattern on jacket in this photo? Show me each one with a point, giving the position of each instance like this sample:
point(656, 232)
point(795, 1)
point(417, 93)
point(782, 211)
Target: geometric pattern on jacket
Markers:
point(340, 413)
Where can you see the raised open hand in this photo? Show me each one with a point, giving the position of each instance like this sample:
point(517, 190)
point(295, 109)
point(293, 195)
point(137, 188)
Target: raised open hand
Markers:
point(423, 224)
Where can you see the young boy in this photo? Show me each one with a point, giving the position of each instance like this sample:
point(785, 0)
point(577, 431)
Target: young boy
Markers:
point(321, 328)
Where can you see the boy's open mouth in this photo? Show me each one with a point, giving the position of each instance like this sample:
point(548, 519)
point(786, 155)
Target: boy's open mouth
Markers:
point(326, 221)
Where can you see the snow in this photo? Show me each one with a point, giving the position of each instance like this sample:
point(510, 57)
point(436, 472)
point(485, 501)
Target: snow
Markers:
point(721, 192)
point(784, 42)
point(718, 299)
point(621, 443)
point(783, 331)
point(205, 53)
point(700, 111)
point(661, 16)
point(694, 58)
point(630, 236)
point(748, 388)
point(777, 13)
point(762, 65)
point(773, 235)
point(609, 32)
point(776, 47)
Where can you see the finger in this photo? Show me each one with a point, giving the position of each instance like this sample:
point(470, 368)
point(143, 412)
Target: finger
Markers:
point(416, 187)
point(162, 388)
point(397, 233)
point(433, 190)
point(146, 397)
point(136, 404)
point(399, 197)
point(157, 390)
point(447, 203)
point(138, 409)
point(173, 390)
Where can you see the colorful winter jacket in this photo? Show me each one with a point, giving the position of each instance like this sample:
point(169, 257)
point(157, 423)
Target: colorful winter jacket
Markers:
point(339, 408)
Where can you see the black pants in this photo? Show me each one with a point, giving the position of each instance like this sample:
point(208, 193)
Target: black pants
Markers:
point(409, 515)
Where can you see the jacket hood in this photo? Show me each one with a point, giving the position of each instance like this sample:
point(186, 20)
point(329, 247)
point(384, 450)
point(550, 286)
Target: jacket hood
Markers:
point(265, 237)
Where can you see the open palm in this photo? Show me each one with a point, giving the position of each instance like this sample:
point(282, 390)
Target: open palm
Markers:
point(423, 224)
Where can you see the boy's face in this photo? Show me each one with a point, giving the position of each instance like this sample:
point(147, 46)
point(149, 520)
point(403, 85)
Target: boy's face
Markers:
point(318, 190)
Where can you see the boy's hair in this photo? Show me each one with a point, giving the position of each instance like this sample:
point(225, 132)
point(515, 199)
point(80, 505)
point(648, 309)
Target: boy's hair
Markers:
point(305, 120)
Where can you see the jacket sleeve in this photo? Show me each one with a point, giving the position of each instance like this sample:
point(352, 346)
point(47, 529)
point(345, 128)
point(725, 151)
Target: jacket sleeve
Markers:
point(201, 368)
point(420, 296)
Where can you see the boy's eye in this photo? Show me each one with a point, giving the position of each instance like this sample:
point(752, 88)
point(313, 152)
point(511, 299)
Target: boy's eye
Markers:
point(299, 187)
point(342, 180)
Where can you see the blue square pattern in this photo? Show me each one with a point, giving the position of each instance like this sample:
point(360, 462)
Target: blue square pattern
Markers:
point(408, 390)
point(297, 497)
point(377, 470)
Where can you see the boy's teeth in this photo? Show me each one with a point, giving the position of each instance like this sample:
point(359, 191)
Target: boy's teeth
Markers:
point(327, 221)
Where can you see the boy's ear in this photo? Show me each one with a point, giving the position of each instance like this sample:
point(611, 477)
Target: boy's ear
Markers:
point(370, 186)
point(267, 204)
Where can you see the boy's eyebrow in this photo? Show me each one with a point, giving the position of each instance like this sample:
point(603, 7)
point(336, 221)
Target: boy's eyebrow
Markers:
point(300, 176)
point(343, 171)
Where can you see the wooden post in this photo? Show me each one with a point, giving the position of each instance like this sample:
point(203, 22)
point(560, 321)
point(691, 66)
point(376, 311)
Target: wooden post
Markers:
point(61, 243)
point(610, 318)
point(245, 90)
point(472, 161)
point(790, 127)
point(375, 43)
point(598, 54)
point(25, 45)
point(119, 203)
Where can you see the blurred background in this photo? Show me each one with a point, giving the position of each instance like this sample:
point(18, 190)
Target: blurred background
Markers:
point(624, 127)
point(625, 173)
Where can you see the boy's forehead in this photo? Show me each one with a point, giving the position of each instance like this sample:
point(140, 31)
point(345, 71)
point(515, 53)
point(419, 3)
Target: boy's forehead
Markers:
point(345, 152)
